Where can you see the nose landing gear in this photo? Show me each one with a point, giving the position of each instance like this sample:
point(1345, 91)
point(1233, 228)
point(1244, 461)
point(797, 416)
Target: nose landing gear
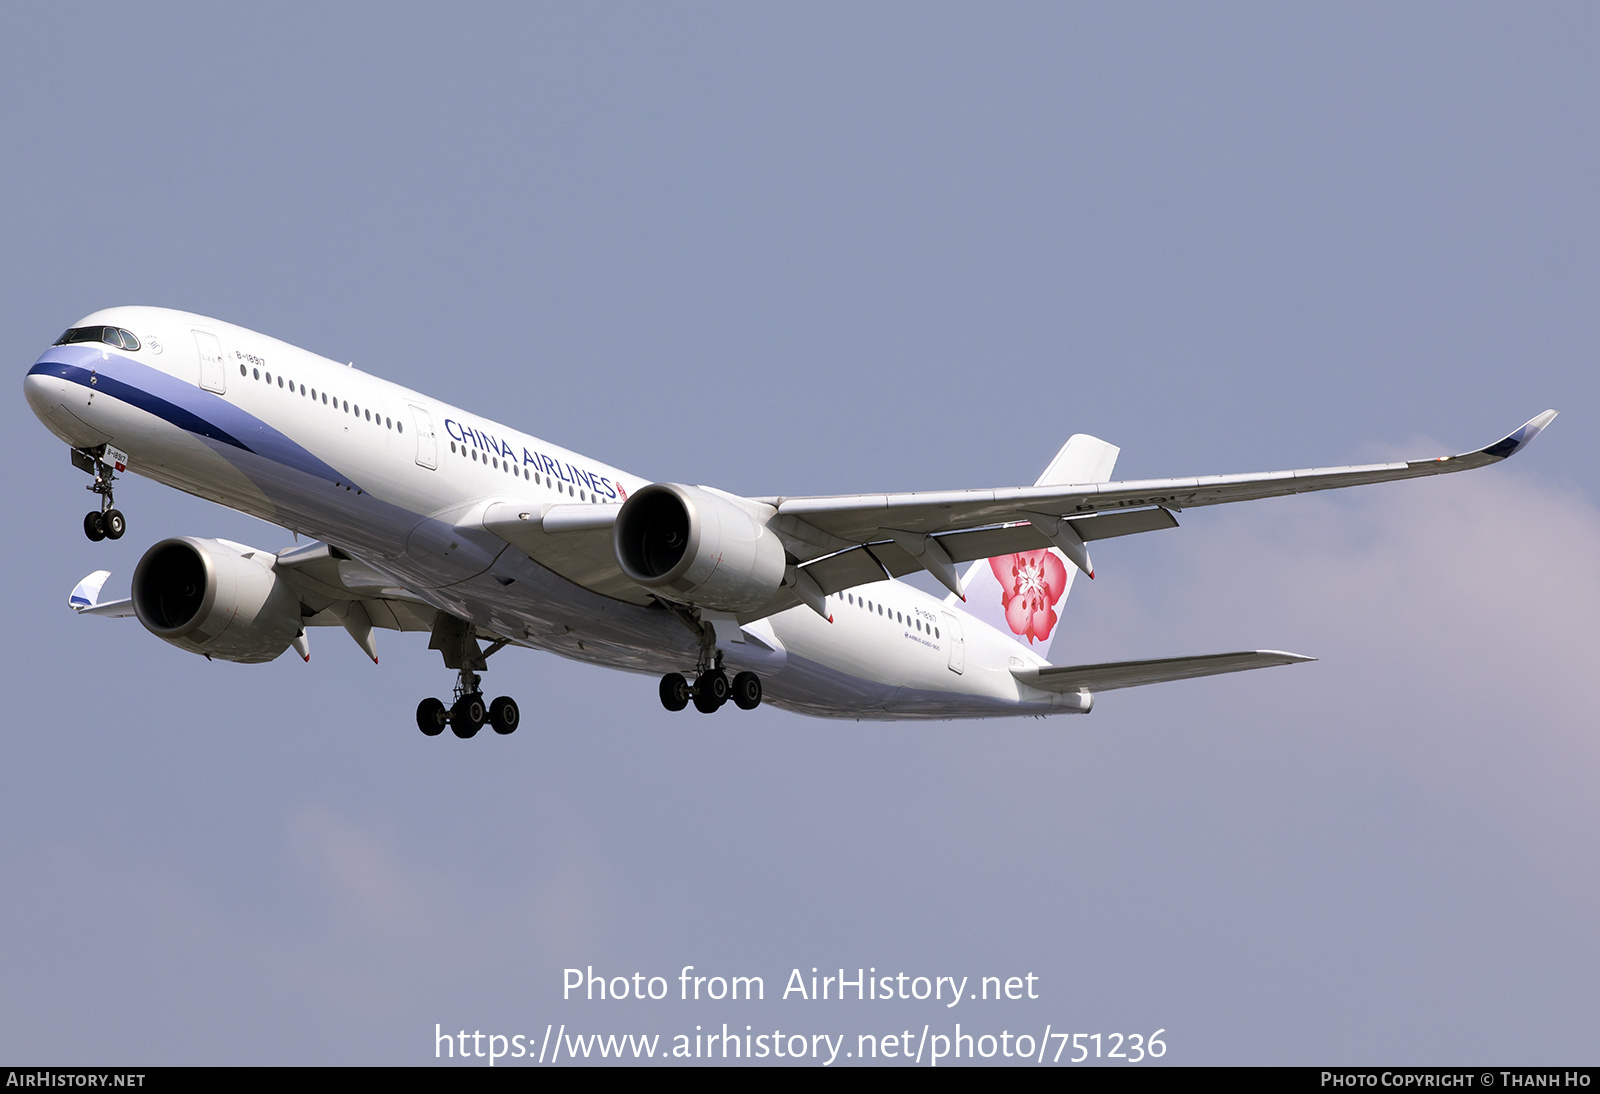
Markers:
point(102, 461)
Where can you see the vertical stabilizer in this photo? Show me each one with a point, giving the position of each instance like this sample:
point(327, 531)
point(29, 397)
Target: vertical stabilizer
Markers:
point(1022, 594)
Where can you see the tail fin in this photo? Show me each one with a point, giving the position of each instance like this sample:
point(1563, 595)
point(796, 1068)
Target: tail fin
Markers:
point(1019, 594)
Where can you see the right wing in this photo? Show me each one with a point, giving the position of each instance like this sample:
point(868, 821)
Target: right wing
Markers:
point(334, 590)
point(1132, 674)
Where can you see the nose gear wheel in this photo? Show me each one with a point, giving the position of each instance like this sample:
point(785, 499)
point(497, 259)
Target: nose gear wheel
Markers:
point(108, 523)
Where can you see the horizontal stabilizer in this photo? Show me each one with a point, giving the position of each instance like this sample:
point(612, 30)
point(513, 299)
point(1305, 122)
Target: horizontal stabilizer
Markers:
point(1132, 674)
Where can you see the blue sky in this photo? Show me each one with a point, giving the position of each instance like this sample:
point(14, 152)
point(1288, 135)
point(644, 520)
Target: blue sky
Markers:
point(831, 248)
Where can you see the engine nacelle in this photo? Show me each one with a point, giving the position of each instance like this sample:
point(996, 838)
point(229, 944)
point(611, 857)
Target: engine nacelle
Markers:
point(217, 598)
point(698, 548)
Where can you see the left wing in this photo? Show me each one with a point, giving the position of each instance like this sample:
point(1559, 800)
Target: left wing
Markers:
point(837, 543)
point(859, 518)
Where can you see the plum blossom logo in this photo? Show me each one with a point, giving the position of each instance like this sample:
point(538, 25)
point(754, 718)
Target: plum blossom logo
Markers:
point(1031, 582)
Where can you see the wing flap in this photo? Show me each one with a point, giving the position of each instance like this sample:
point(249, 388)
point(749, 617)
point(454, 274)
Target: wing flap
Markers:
point(1128, 523)
point(845, 570)
point(1132, 674)
point(387, 615)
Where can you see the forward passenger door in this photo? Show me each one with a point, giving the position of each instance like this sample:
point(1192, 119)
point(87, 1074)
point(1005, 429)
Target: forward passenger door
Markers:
point(213, 374)
point(427, 444)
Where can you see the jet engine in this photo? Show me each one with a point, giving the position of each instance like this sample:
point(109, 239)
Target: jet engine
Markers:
point(214, 597)
point(698, 547)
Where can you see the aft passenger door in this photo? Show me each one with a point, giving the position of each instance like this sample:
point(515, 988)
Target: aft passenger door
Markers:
point(958, 645)
point(427, 444)
point(213, 376)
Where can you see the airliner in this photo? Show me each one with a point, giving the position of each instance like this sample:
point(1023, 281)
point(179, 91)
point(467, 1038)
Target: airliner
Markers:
point(423, 516)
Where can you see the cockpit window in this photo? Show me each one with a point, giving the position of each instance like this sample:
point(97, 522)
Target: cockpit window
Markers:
point(111, 336)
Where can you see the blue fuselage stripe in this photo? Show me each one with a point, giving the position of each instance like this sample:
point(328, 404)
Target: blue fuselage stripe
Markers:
point(163, 396)
point(136, 396)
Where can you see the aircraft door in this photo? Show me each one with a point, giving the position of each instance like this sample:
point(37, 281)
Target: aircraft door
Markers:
point(958, 645)
point(427, 443)
point(213, 375)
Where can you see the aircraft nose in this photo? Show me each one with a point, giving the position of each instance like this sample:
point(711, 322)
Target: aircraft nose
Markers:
point(57, 401)
point(44, 392)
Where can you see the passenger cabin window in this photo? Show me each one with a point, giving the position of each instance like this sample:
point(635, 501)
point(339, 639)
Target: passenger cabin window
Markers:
point(111, 336)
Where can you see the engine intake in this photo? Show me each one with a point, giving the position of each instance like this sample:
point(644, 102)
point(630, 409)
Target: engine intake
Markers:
point(698, 547)
point(216, 598)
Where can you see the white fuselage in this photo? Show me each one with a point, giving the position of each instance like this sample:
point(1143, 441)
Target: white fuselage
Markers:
point(395, 478)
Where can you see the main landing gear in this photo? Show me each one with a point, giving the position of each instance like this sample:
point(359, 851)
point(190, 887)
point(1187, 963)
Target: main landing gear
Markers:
point(468, 713)
point(457, 640)
point(711, 687)
point(108, 523)
point(710, 690)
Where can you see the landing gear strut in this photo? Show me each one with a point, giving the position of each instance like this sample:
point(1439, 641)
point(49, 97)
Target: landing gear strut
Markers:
point(711, 688)
point(457, 640)
point(109, 522)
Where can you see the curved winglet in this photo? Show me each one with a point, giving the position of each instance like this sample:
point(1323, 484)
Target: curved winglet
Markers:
point(85, 598)
point(1503, 448)
point(86, 594)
